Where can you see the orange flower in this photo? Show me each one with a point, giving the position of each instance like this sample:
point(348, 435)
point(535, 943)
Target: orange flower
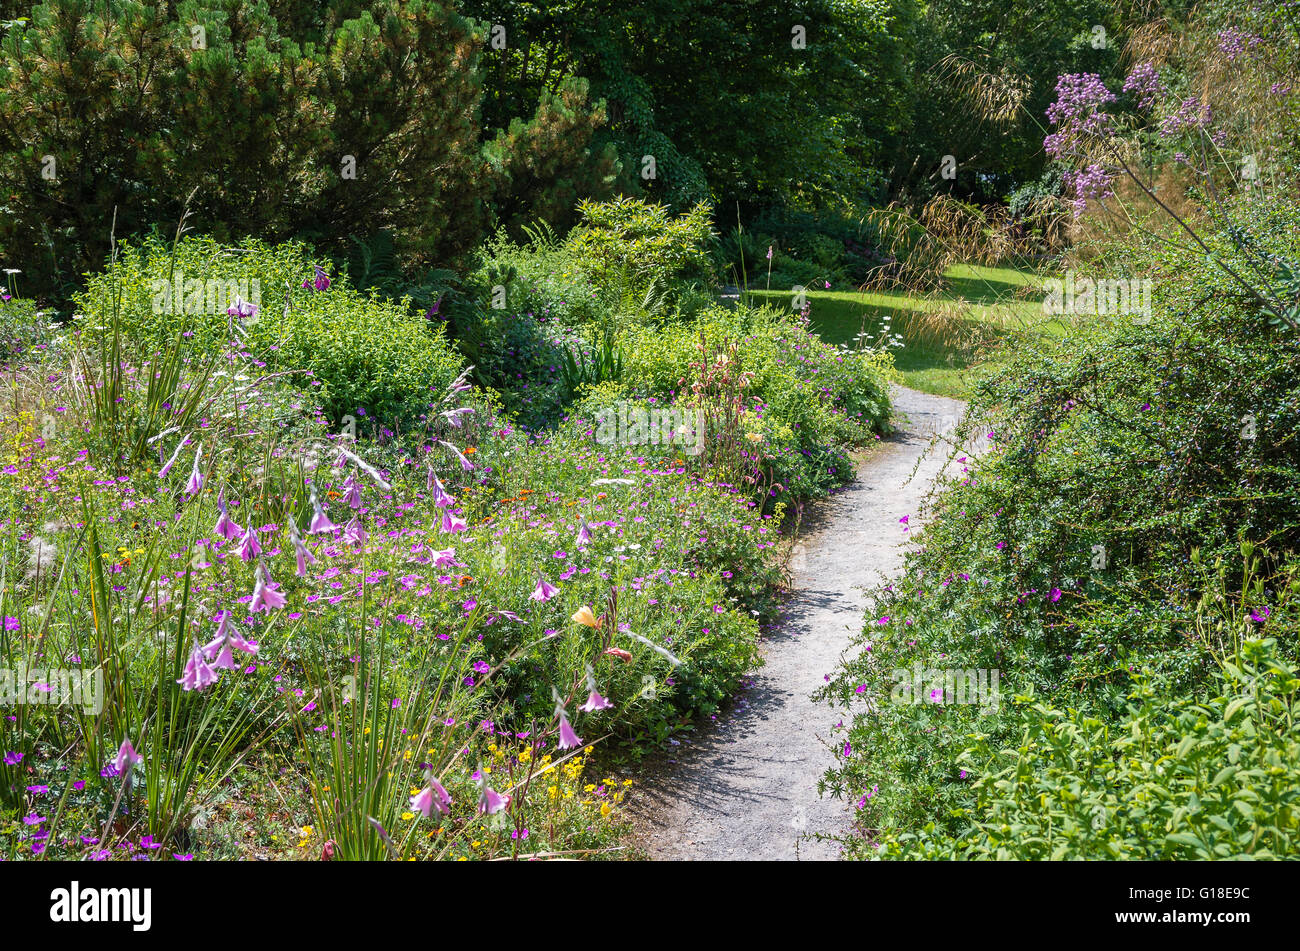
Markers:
point(584, 615)
point(470, 450)
point(464, 580)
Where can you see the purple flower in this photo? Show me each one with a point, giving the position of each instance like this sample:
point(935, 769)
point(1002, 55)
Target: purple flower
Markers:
point(320, 282)
point(319, 520)
point(568, 739)
point(217, 651)
point(162, 473)
point(1094, 182)
point(595, 702)
point(241, 309)
point(1234, 43)
point(1190, 115)
point(195, 485)
point(584, 535)
point(440, 496)
point(1054, 595)
point(431, 797)
point(1145, 82)
point(226, 527)
point(491, 802)
point(352, 493)
point(248, 546)
point(265, 598)
point(544, 590)
point(126, 756)
point(453, 415)
point(453, 523)
point(198, 675)
point(304, 556)
point(354, 533)
point(1077, 111)
point(13, 759)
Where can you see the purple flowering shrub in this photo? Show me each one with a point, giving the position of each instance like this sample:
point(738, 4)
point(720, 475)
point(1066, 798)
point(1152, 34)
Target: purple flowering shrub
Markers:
point(1215, 104)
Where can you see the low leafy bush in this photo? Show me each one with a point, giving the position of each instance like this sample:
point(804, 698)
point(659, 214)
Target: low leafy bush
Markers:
point(1173, 779)
point(802, 405)
point(627, 236)
point(360, 355)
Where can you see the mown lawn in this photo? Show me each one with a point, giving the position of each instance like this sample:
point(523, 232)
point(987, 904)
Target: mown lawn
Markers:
point(949, 335)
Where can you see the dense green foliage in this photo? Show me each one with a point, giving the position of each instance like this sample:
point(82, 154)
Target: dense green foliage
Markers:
point(342, 121)
point(277, 120)
point(1171, 779)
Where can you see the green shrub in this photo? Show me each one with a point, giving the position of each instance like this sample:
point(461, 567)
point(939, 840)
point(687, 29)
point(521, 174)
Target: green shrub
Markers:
point(805, 405)
point(1176, 778)
point(22, 326)
point(360, 356)
point(629, 236)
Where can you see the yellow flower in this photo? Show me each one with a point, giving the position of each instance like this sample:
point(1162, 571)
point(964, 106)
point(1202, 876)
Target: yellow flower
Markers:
point(408, 816)
point(605, 809)
point(584, 615)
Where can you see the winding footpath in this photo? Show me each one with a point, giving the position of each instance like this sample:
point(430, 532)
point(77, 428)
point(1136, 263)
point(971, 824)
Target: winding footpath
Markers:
point(745, 787)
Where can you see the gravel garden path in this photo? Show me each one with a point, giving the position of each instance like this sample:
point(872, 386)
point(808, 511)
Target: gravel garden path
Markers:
point(745, 786)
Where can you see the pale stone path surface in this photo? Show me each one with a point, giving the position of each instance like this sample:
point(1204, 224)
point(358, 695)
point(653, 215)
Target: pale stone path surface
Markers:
point(745, 786)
